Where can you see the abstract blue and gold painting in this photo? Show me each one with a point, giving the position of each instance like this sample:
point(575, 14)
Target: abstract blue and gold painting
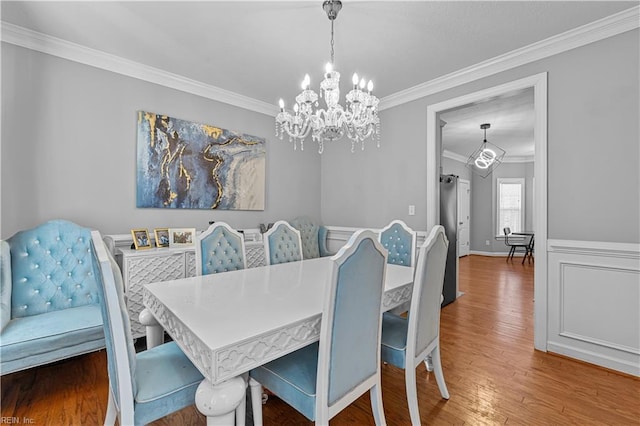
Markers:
point(187, 165)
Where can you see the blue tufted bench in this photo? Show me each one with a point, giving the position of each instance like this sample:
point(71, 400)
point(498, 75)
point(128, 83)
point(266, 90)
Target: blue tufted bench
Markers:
point(49, 296)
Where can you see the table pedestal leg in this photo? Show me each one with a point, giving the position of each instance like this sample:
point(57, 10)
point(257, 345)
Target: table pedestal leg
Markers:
point(219, 402)
point(256, 401)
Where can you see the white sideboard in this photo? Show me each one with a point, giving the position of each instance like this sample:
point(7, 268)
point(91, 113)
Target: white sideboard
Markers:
point(255, 254)
point(140, 267)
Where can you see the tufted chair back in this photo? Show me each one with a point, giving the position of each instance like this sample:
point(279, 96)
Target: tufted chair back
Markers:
point(313, 236)
point(51, 269)
point(219, 249)
point(400, 241)
point(282, 243)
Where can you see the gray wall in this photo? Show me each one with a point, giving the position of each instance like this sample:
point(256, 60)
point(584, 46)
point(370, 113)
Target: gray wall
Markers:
point(483, 205)
point(593, 150)
point(372, 187)
point(453, 167)
point(69, 149)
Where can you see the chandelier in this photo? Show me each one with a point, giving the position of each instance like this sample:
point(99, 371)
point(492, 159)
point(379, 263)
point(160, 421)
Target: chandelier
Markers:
point(486, 158)
point(359, 120)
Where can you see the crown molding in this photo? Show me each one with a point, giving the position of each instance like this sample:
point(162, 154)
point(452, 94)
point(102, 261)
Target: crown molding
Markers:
point(610, 26)
point(44, 43)
point(601, 29)
point(454, 156)
point(518, 158)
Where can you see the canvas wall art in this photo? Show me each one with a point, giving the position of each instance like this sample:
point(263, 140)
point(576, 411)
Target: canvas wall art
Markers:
point(187, 165)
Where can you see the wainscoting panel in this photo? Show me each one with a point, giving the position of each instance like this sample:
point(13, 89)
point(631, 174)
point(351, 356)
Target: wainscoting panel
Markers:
point(594, 303)
point(337, 236)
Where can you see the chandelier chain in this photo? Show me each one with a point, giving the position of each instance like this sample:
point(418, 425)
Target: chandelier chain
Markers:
point(332, 52)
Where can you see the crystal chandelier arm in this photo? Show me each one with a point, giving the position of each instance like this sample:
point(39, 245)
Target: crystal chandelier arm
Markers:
point(297, 126)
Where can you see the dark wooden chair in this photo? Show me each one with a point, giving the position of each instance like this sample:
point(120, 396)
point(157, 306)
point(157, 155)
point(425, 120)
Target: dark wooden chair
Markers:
point(526, 246)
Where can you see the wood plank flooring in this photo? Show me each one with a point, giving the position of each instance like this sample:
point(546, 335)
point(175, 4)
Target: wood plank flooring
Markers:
point(493, 373)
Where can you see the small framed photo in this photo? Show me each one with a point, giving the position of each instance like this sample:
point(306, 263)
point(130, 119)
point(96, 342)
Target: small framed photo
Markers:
point(182, 237)
point(162, 237)
point(141, 238)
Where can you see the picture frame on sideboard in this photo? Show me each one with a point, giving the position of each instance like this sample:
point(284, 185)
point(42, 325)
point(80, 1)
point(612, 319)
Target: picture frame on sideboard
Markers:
point(141, 238)
point(162, 237)
point(182, 237)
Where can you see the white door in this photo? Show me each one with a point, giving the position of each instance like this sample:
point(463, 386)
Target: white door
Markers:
point(464, 216)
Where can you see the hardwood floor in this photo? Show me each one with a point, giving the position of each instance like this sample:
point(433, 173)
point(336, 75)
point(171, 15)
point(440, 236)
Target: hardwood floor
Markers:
point(493, 373)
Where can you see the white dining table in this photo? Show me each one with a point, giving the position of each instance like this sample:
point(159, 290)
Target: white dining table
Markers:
point(232, 322)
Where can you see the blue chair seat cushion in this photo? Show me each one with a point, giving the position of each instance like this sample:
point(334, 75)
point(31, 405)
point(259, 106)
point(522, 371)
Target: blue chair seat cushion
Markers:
point(293, 378)
point(166, 381)
point(52, 331)
point(394, 339)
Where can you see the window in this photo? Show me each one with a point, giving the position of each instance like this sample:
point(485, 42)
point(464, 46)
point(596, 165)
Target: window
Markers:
point(510, 205)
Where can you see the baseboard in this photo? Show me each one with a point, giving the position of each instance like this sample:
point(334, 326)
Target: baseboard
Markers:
point(613, 363)
point(492, 253)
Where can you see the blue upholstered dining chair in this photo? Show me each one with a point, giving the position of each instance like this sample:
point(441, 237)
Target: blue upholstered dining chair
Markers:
point(146, 386)
point(219, 249)
point(282, 243)
point(313, 235)
point(400, 240)
point(323, 378)
point(406, 342)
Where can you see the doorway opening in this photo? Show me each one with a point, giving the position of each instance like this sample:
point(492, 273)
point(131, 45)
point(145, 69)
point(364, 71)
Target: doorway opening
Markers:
point(482, 219)
point(538, 83)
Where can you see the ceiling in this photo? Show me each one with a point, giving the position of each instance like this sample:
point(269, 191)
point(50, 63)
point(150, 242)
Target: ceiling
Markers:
point(262, 49)
point(511, 117)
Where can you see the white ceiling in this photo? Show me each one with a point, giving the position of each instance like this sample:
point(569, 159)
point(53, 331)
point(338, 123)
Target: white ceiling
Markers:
point(262, 49)
point(511, 118)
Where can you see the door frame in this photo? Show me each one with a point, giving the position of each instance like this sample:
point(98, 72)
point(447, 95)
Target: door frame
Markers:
point(468, 182)
point(539, 84)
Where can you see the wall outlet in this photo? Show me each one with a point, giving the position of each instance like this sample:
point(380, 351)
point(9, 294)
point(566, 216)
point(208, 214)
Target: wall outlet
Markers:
point(412, 210)
point(487, 243)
